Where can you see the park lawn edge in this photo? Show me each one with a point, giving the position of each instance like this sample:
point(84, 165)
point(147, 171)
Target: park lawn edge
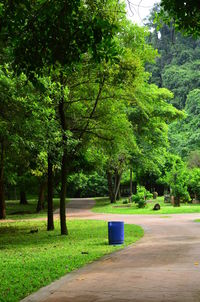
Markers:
point(32, 261)
point(103, 205)
point(14, 206)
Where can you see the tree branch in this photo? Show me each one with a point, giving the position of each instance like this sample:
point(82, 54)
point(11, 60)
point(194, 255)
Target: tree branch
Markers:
point(94, 108)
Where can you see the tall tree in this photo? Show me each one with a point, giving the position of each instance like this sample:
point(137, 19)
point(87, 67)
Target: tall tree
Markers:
point(15, 93)
point(64, 31)
point(185, 134)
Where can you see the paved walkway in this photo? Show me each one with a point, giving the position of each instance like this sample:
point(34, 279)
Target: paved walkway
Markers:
point(163, 266)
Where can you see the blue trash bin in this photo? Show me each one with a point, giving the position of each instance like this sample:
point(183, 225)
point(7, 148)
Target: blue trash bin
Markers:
point(115, 232)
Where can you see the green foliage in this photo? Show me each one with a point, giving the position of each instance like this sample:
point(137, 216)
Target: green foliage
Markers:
point(126, 201)
point(185, 134)
point(15, 92)
point(180, 80)
point(194, 182)
point(152, 113)
point(141, 196)
point(89, 101)
point(177, 68)
point(194, 159)
point(87, 185)
point(177, 178)
point(185, 15)
point(141, 204)
point(179, 58)
point(63, 30)
point(104, 206)
point(96, 186)
point(32, 256)
point(20, 123)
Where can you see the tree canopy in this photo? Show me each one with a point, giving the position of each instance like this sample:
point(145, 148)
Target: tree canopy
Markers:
point(74, 83)
point(185, 14)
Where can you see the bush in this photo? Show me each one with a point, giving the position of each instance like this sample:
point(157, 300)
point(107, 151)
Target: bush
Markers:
point(87, 185)
point(177, 178)
point(194, 182)
point(180, 191)
point(125, 201)
point(141, 196)
point(141, 204)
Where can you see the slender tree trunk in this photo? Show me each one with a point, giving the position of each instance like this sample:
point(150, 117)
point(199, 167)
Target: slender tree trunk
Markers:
point(2, 195)
point(50, 222)
point(63, 122)
point(23, 199)
point(116, 181)
point(131, 182)
point(176, 198)
point(15, 193)
point(63, 225)
point(135, 187)
point(118, 184)
point(40, 204)
point(110, 187)
point(119, 194)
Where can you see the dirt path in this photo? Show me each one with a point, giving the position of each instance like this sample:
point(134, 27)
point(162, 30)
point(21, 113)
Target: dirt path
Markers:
point(163, 266)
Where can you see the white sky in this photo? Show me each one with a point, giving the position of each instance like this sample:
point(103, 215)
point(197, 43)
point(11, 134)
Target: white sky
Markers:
point(140, 9)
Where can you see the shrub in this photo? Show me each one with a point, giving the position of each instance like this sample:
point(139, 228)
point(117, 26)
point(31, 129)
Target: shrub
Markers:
point(125, 201)
point(194, 182)
point(141, 196)
point(177, 178)
point(141, 204)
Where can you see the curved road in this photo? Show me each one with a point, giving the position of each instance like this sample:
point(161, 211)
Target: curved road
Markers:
point(163, 266)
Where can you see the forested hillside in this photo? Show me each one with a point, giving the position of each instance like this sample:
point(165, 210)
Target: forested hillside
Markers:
point(178, 69)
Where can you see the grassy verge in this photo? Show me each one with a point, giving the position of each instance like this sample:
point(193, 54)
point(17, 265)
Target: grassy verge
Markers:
point(14, 210)
point(103, 206)
point(30, 261)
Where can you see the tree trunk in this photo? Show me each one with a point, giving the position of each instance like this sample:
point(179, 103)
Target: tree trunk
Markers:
point(176, 201)
point(63, 225)
point(40, 204)
point(2, 196)
point(135, 187)
point(110, 187)
point(119, 194)
point(15, 194)
point(50, 222)
point(23, 199)
point(116, 181)
point(118, 185)
point(131, 183)
point(63, 122)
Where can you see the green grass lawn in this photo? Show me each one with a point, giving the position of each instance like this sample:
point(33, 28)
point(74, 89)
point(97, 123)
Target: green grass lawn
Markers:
point(103, 206)
point(30, 261)
point(14, 210)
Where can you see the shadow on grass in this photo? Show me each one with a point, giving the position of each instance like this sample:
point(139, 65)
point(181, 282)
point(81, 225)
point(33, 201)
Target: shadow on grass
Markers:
point(18, 234)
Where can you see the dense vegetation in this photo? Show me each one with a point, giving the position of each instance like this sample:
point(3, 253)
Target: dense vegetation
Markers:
point(84, 108)
point(177, 68)
point(91, 105)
